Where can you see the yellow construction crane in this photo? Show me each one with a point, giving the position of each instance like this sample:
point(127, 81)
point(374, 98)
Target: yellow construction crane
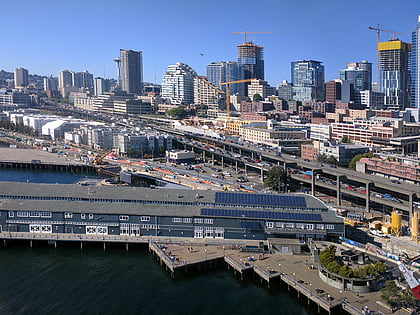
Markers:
point(245, 32)
point(378, 39)
point(228, 93)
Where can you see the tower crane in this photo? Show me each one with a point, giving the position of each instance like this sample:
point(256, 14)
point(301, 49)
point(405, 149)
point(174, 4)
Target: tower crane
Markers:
point(378, 38)
point(379, 30)
point(245, 32)
point(228, 93)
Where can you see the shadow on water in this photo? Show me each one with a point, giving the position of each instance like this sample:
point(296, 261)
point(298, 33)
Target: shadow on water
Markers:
point(67, 280)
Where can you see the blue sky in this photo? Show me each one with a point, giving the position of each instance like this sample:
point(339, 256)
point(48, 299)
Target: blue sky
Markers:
point(48, 36)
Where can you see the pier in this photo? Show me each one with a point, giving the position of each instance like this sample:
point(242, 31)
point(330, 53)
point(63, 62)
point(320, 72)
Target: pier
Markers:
point(184, 255)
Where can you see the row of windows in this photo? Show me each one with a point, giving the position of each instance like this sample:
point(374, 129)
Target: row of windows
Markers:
point(173, 203)
point(303, 226)
point(189, 220)
point(31, 214)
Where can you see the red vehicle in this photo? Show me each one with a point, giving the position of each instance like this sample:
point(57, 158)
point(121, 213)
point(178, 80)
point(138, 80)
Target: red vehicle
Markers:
point(256, 161)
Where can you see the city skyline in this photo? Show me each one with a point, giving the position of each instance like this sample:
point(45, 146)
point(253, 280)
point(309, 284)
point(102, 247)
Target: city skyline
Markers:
point(179, 32)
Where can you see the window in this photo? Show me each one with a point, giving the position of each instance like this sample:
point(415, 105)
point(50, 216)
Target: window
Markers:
point(280, 225)
point(300, 226)
point(320, 226)
point(208, 233)
point(145, 219)
point(198, 220)
point(34, 228)
point(68, 215)
point(208, 221)
point(11, 214)
point(124, 228)
point(124, 217)
point(177, 220)
point(23, 214)
point(82, 216)
point(46, 229)
point(187, 220)
point(269, 225)
point(46, 214)
point(34, 214)
point(310, 226)
point(219, 232)
point(329, 226)
point(90, 216)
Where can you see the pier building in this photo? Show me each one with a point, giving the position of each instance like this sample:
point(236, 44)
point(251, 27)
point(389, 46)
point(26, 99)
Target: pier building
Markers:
point(109, 211)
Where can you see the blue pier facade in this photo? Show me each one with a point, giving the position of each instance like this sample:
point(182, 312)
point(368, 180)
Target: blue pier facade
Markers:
point(126, 211)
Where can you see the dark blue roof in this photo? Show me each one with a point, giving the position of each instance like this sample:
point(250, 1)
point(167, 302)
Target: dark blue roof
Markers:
point(262, 214)
point(261, 199)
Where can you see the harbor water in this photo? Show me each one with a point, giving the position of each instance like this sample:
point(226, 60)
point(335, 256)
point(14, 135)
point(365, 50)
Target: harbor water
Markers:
point(67, 280)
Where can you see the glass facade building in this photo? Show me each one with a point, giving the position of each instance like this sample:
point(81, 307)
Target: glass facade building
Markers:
point(224, 71)
point(358, 73)
point(309, 74)
point(394, 75)
point(415, 66)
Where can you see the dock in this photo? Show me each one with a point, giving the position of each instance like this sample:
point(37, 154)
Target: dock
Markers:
point(183, 255)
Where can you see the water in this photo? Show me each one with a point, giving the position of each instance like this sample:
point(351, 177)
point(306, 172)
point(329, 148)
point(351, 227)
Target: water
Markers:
point(44, 280)
point(42, 176)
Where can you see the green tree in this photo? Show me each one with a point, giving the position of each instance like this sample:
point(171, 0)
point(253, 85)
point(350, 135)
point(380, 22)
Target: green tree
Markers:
point(345, 139)
point(178, 112)
point(390, 293)
point(333, 266)
point(356, 158)
point(345, 271)
point(327, 255)
point(276, 178)
point(331, 159)
point(257, 98)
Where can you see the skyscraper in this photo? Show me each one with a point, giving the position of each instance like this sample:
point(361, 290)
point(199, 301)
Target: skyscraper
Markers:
point(358, 73)
point(21, 77)
point(50, 84)
point(251, 61)
point(131, 71)
point(415, 66)
point(178, 84)
point(224, 71)
point(394, 78)
point(64, 79)
point(309, 74)
point(100, 86)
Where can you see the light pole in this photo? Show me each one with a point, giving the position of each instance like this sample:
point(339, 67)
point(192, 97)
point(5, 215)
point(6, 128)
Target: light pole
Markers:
point(310, 287)
point(205, 253)
point(280, 268)
point(294, 276)
point(341, 295)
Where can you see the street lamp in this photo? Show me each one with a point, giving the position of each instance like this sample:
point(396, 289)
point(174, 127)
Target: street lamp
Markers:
point(294, 275)
point(280, 268)
point(310, 287)
point(205, 253)
point(341, 295)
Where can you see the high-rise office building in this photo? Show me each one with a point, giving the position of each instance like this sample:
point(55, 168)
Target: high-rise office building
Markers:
point(394, 77)
point(82, 80)
point(21, 77)
point(251, 61)
point(50, 84)
point(65, 79)
point(415, 66)
point(309, 74)
point(224, 71)
point(358, 73)
point(131, 71)
point(178, 84)
point(284, 90)
point(100, 86)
